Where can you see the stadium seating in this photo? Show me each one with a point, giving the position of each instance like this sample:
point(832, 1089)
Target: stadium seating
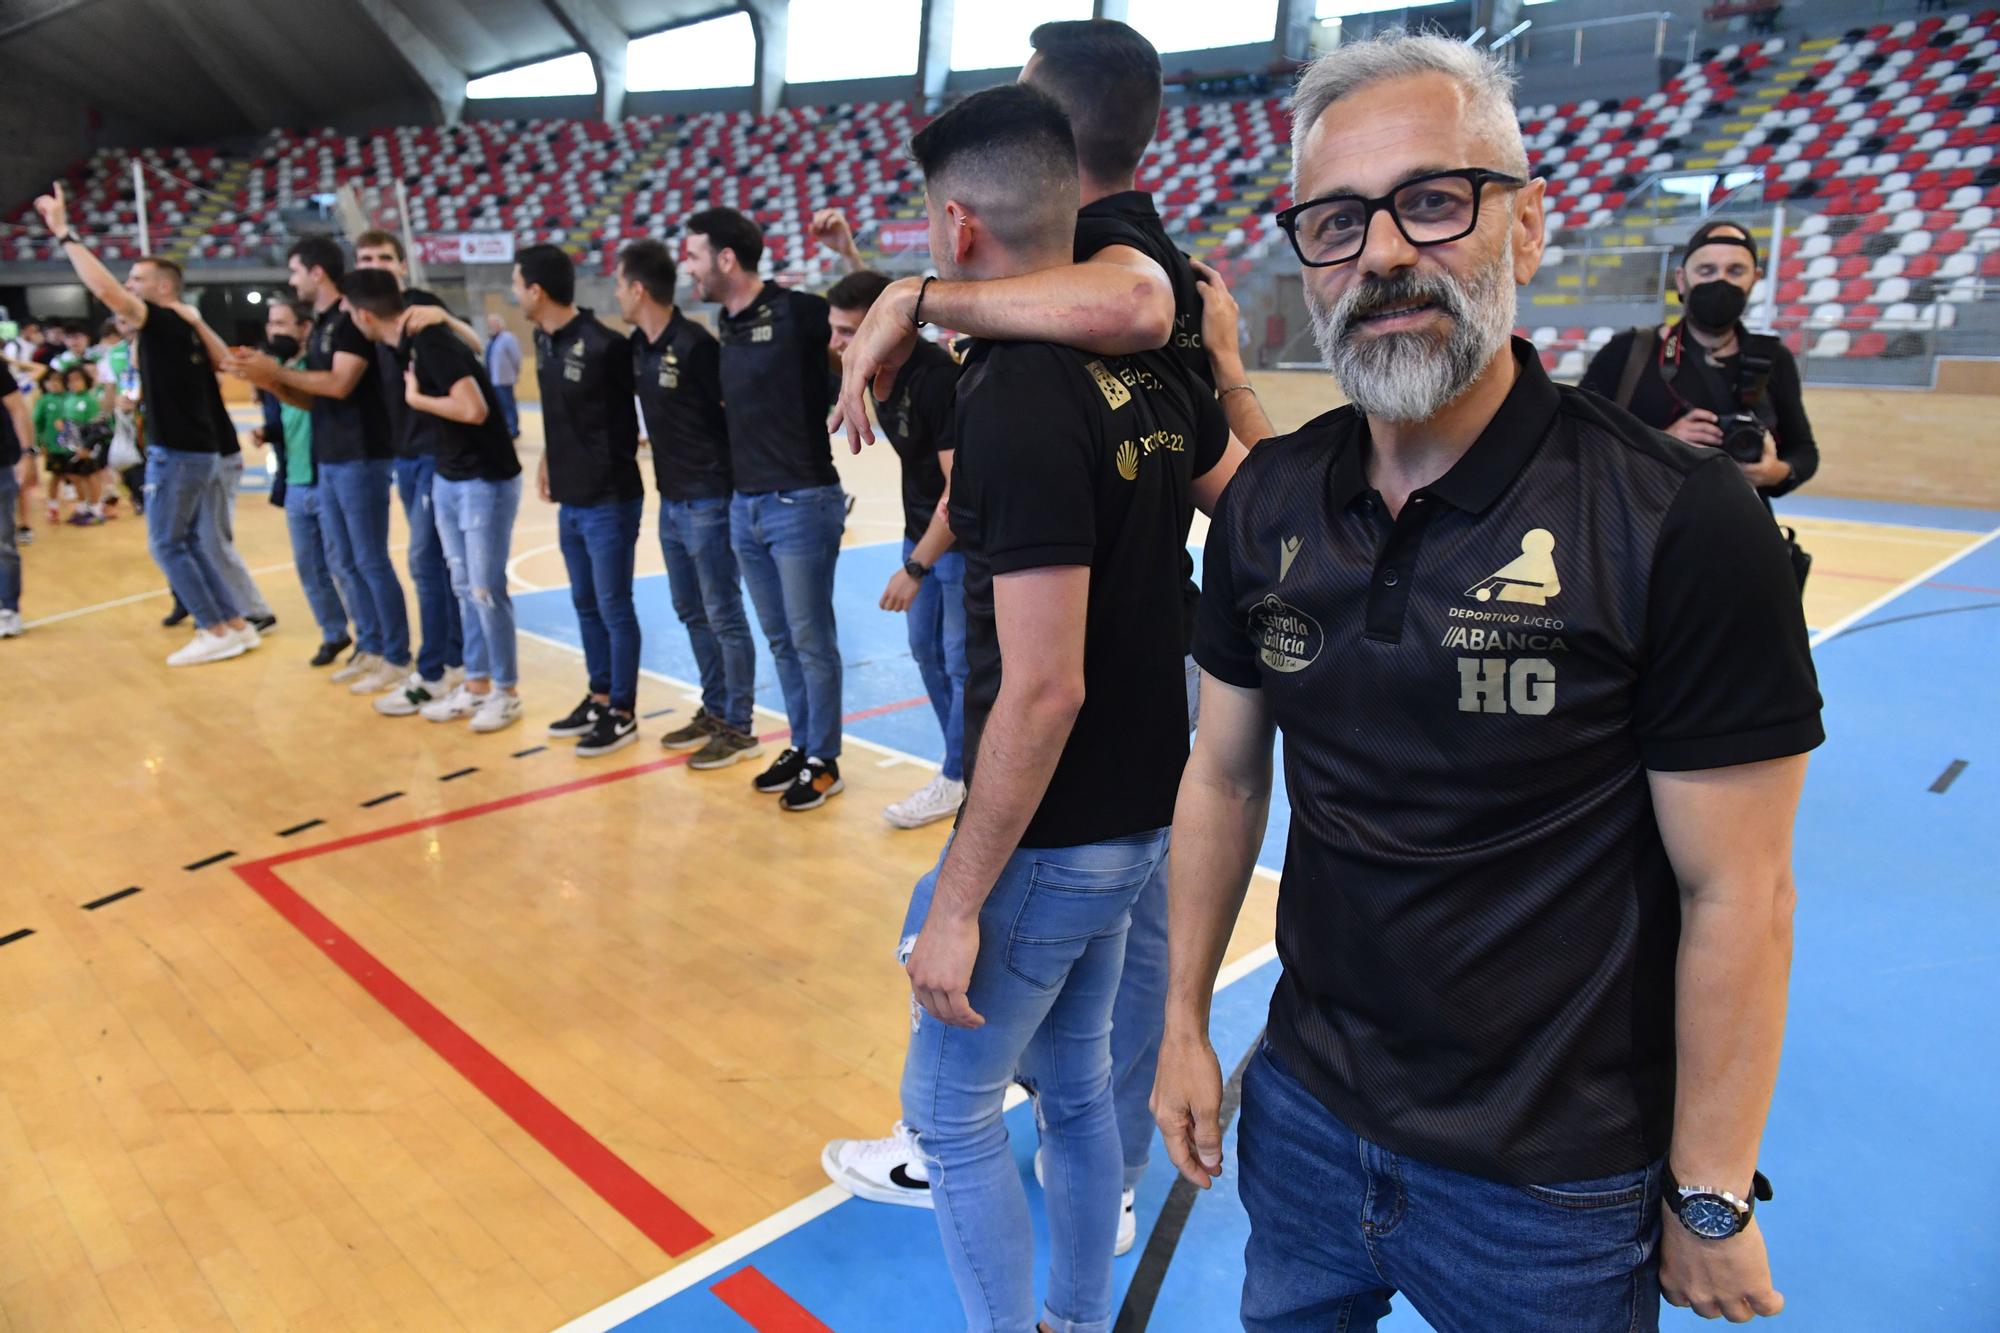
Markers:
point(101, 203)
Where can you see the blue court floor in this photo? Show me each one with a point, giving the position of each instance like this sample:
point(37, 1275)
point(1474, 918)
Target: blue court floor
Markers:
point(1884, 1139)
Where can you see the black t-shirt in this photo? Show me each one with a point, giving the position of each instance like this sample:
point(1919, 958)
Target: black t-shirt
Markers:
point(1699, 384)
point(680, 396)
point(1068, 459)
point(10, 443)
point(1130, 219)
point(353, 429)
point(585, 373)
point(916, 416)
point(776, 388)
point(183, 407)
point(409, 431)
point(1478, 921)
point(484, 452)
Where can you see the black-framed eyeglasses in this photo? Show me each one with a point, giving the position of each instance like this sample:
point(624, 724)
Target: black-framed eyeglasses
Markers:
point(1429, 210)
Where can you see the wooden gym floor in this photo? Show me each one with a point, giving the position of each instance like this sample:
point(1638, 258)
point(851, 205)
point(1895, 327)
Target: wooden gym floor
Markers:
point(409, 1028)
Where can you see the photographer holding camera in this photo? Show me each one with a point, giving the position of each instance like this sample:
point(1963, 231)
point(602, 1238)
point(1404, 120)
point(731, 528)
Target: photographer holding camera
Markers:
point(1707, 380)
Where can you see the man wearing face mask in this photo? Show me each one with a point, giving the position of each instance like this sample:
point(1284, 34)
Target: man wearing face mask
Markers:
point(1684, 378)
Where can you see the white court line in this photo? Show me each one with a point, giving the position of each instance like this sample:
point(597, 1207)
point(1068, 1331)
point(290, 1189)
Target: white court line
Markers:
point(1914, 581)
point(755, 1237)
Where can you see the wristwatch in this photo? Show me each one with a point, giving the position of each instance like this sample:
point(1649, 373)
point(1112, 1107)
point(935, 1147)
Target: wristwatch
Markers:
point(1710, 1213)
point(916, 571)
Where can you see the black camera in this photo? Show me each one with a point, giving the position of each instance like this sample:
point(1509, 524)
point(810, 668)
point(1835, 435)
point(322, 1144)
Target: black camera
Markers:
point(1742, 436)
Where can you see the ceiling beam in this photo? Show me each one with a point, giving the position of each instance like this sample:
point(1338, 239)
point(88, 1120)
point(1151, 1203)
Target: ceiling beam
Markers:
point(604, 40)
point(216, 54)
point(769, 20)
point(421, 55)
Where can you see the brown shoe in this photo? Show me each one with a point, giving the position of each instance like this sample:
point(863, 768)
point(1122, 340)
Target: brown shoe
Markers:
point(725, 746)
point(692, 736)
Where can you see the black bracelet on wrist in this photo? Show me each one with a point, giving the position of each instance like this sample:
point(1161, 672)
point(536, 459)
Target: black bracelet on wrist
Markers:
point(69, 238)
point(917, 315)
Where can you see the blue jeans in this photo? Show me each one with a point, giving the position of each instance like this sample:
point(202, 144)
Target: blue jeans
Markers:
point(937, 642)
point(475, 522)
point(218, 537)
point(10, 550)
point(437, 607)
point(1338, 1224)
point(1051, 947)
point(177, 482)
point(786, 543)
point(509, 409)
point(600, 544)
point(708, 598)
point(309, 543)
point(355, 500)
point(1140, 1015)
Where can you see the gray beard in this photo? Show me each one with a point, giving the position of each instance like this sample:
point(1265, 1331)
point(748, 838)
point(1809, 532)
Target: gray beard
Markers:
point(1403, 377)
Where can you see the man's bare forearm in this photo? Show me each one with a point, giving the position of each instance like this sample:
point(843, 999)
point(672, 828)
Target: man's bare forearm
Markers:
point(1018, 753)
point(101, 283)
point(311, 384)
point(1218, 827)
point(1729, 1025)
point(937, 539)
point(1109, 309)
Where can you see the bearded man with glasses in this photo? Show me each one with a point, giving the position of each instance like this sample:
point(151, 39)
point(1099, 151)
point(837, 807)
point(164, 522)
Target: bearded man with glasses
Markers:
point(1535, 917)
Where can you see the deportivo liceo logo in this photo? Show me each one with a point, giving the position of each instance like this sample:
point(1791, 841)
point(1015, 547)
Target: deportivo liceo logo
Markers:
point(1529, 577)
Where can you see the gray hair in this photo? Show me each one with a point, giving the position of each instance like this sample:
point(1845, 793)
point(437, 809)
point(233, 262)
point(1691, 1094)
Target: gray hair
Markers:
point(1349, 68)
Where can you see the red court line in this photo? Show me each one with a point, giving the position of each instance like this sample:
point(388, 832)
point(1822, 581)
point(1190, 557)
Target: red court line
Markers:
point(763, 1306)
point(1891, 578)
point(636, 1199)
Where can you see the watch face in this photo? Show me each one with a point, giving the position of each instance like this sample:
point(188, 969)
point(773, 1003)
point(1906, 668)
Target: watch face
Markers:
point(1709, 1216)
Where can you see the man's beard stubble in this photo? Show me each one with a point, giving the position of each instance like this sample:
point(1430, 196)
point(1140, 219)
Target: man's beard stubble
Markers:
point(1413, 376)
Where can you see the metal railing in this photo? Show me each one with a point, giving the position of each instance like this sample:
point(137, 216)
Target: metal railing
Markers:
point(1520, 43)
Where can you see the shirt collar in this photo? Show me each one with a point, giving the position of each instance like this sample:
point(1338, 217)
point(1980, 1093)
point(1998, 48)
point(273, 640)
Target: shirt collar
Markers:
point(1137, 202)
point(1495, 458)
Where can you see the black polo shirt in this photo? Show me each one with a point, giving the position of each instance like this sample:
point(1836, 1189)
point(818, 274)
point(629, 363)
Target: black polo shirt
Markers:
point(1129, 218)
point(592, 429)
point(1700, 383)
point(776, 386)
point(1064, 458)
point(1478, 921)
point(680, 396)
point(409, 431)
point(183, 401)
point(916, 416)
point(482, 452)
point(345, 430)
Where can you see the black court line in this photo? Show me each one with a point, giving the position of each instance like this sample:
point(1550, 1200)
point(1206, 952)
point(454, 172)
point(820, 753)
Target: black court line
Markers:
point(208, 861)
point(383, 799)
point(459, 774)
point(1949, 776)
point(532, 749)
point(1918, 615)
point(111, 898)
point(657, 712)
point(17, 935)
point(1140, 1297)
point(300, 828)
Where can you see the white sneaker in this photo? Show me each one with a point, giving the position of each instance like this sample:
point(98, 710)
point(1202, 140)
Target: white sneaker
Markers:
point(1128, 1216)
point(358, 665)
point(453, 707)
point(207, 646)
point(884, 1170)
point(248, 636)
point(10, 625)
point(416, 692)
point(497, 709)
point(939, 799)
point(382, 678)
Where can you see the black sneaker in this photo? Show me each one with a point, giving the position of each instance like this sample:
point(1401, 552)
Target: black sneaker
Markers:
point(694, 735)
point(612, 731)
point(725, 746)
point(330, 651)
point(175, 616)
point(778, 777)
point(580, 721)
point(816, 782)
point(264, 624)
